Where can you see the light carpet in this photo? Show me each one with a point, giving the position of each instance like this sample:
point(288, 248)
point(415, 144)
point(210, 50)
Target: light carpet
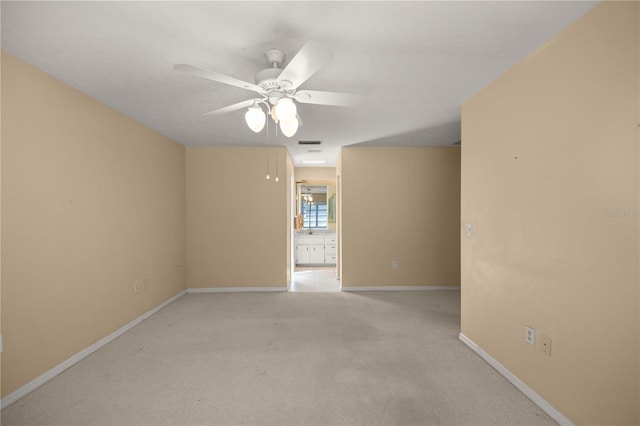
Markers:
point(370, 358)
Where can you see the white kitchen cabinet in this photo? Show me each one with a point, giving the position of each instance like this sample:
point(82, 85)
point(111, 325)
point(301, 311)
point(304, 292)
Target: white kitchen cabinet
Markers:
point(303, 255)
point(330, 252)
point(315, 249)
point(316, 253)
point(330, 249)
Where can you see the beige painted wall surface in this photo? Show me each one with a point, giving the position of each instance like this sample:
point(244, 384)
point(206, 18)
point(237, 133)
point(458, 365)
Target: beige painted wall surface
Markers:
point(550, 183)
point(92, 202)
point(0, 219)
point(237, 221)
point(322, 174)
point(400, 203)
point(290, 184)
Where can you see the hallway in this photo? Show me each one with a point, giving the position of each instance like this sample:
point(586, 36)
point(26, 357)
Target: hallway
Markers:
point(315, 279)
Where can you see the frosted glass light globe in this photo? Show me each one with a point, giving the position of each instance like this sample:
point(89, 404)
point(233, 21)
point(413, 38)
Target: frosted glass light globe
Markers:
point(255, 118)
point(289, 127)
point(274, 114)
point(286, 109)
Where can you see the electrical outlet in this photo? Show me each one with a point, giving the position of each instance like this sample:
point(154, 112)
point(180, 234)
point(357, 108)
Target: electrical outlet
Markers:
point(394, 264)
point(136, 287)
point(178, 268)
point(145, 283)
point(530, 336)
point(545, 342)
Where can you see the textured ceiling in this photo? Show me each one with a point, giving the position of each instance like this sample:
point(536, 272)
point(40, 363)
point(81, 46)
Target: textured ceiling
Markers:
point(415, 62)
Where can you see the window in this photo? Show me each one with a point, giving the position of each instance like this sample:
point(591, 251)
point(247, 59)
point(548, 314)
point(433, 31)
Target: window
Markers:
point(315, 206)
point(315, 214)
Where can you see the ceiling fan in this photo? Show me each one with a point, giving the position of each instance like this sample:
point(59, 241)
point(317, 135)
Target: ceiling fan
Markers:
point(277, 88)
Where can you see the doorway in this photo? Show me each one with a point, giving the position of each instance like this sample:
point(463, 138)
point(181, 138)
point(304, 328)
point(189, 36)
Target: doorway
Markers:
point(314, 237)
point(315, 279)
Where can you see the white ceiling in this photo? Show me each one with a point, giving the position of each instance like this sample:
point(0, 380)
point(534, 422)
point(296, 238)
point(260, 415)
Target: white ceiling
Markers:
point(416, 62)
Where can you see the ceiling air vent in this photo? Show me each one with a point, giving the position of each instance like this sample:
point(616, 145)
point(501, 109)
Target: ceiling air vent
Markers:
point(309, 142)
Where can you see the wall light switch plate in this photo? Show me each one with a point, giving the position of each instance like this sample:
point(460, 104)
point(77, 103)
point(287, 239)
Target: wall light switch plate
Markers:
point(530, 336)
point(469, 230)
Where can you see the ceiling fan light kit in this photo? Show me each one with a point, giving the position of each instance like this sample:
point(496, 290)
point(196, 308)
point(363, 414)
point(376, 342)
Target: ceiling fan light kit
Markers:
point(255, 118)
point(289, 127)
point(286, 109)
point(277, 88)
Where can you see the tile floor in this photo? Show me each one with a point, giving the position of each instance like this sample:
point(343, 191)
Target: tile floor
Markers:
point(315, 279)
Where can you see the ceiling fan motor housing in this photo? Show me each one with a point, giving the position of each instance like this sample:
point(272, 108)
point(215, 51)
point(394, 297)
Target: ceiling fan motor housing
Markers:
point(275, 57)
point(267, 78)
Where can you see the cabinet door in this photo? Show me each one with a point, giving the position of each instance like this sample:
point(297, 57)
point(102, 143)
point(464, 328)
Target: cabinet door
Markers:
point(303, 254)
point(330, 252)
point(317, 253)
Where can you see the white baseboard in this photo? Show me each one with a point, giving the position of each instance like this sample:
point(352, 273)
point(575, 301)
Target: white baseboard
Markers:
point(40, 380)
point(515, 381)
point(403, 288)
point(234, 289)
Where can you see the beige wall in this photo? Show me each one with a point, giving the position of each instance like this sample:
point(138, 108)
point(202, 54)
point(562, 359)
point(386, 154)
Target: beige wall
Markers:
point(0, 221)
point(318, 174)
point(92, 202)
point(403, 204)
point(237, 221)
point(290, 184)
point(550, 183)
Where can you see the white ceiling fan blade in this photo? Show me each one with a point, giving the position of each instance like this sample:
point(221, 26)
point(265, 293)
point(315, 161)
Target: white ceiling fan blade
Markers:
point(320, 97)
point(216, 76)
point(307, 61)
point(234, 107)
